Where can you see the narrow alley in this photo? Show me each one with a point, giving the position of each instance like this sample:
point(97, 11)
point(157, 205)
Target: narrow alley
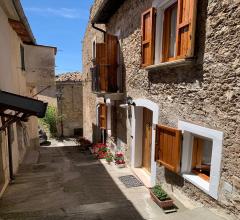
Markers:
point(61, 182)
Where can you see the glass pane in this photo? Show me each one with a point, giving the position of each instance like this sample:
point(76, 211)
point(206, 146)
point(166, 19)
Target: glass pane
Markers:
point(173, 27)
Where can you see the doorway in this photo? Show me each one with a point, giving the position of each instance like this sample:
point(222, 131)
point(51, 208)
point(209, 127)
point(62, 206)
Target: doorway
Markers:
point(144, 118)
point(147, 139)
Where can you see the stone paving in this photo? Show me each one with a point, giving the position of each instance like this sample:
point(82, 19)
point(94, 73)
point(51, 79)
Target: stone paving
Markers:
point(64, 183)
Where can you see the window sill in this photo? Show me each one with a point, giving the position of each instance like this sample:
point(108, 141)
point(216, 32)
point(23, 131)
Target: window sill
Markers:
point(197, 181)
point(175, 63)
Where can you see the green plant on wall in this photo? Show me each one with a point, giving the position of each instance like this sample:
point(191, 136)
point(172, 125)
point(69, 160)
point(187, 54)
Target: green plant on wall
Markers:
point(50, 120)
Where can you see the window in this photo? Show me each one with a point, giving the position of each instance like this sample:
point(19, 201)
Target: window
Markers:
point(169, 34)
point(201, 157)
point(106, 66)
point(22, 57)
point(168, 31)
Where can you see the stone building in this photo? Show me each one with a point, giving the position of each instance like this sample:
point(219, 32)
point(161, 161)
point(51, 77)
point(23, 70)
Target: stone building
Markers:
point(18, 101)
point(70, 104)
point(168, 73)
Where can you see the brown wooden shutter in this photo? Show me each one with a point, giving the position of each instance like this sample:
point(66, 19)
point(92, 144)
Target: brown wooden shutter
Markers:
point(112, 61)
point(148, 36)
point(168, 147)
point(101, 61)
point(102, 116)
point(186, 25)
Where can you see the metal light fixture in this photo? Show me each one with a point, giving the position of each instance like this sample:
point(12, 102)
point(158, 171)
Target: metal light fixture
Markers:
point(129, 102)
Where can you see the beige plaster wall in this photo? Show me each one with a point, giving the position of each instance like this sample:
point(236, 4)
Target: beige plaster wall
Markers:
point(12, 79)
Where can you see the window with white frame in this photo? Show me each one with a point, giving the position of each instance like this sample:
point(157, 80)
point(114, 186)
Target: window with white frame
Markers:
point(201, 156)
point(168, 31)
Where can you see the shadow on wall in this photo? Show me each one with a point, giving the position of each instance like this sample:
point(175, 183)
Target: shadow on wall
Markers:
point(96, 134)
point(186, 74)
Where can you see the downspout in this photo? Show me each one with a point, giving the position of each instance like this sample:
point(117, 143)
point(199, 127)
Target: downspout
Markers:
point(99, 29)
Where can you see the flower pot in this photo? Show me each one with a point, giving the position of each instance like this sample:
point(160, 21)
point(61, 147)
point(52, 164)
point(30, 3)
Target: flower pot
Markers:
point(120, 165)
point(162, 204)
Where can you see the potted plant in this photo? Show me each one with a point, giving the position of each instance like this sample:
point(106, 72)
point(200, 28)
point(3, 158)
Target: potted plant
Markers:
point(100, 150)
point(161, 198)
point(119, 160)
point(109, 157)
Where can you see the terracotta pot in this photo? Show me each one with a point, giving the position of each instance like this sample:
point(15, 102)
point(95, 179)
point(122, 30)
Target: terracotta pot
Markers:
point(162, 204)
point(120, 165)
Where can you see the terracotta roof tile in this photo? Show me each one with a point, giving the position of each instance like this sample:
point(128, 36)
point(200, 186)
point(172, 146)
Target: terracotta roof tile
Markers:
point(70, 77)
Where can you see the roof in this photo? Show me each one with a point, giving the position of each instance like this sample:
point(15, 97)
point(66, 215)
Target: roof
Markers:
point(22, 26)
point(70, 77)
point(106, 11)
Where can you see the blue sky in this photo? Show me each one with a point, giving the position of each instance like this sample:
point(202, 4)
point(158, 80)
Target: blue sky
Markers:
point(60, 23)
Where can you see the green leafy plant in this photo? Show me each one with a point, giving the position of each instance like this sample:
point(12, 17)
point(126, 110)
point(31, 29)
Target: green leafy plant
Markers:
point(50, 120)
point(160, 193)
point(109, 157)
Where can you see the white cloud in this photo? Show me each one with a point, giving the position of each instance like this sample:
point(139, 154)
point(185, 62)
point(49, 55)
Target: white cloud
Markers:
point(61, 12)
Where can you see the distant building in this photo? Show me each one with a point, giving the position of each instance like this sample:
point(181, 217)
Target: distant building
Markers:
point(70, 104)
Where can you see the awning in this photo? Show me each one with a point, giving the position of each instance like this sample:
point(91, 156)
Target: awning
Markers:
point(18, 108)
point(106, 11)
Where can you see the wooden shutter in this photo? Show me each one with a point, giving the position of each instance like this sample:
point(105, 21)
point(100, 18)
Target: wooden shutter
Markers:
point(148, 36)
point(102, 111)
point(112, 61)
point(101, 61)
point(186, 25)
point(168, 147)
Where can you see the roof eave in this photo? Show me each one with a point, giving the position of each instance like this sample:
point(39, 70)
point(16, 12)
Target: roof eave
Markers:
point(107, 9)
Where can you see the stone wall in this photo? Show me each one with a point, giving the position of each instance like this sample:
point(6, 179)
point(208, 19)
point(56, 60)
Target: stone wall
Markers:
point(89, 99)
point(70, 107)
point(206, 93)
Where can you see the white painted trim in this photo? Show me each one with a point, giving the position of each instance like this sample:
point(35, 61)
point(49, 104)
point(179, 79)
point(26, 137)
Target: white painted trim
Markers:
point(135, 132)
point(109, 118)
point(97, 114)
point(94, 40)
point(188, 130)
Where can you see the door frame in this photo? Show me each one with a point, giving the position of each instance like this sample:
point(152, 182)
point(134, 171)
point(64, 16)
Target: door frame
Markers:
point(136, 145)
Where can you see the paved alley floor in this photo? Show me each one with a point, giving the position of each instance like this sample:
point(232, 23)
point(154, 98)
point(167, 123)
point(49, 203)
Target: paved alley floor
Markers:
point(64, 183)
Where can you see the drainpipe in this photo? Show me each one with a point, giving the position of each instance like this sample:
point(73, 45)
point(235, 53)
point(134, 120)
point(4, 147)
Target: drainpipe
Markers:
point(99, 29)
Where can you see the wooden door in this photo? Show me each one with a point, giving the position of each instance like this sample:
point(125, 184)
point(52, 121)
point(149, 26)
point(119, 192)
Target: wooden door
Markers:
point(147, 139)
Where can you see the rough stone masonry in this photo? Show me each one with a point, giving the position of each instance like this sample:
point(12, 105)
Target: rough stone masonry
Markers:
point(207, 93)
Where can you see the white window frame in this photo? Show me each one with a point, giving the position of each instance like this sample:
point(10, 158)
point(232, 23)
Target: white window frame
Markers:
point(189, 130)
point(161, 6)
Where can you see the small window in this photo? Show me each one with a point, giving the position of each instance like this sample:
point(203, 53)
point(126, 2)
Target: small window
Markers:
point(22, 57)
point(201, 157)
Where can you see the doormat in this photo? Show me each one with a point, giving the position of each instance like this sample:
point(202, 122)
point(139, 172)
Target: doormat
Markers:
point(130, 181)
